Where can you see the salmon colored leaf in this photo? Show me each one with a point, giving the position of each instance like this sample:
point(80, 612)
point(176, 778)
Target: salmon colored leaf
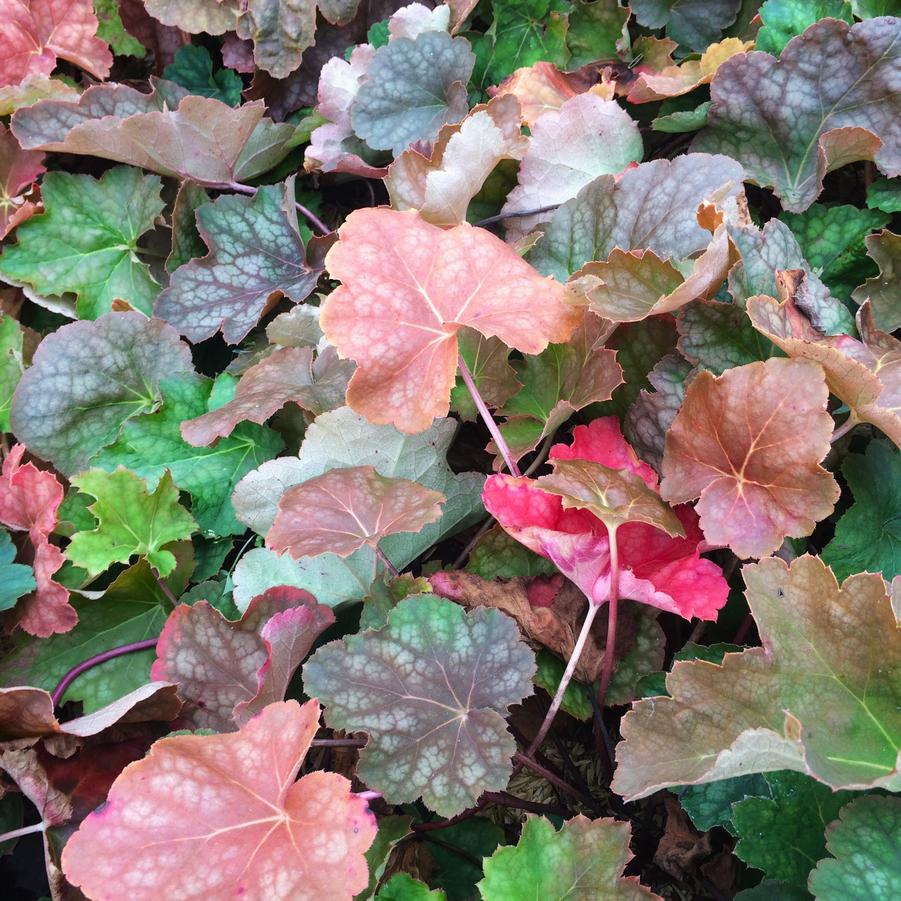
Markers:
point(37, 32)
point(19, 170)
point(288, 375)
point(788, 126)
point(884, 291)
point(749, 444)
point(407, 288)
point(254, 257)
point(543, 88)
point(29, 502)
point(206, 811)
point(664, 572)
point(344, 510)
point(756, 712)
point(432, 690)
point(228, 671)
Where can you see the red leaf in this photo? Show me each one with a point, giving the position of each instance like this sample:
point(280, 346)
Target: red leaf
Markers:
point(19, 170)
point(220, 816)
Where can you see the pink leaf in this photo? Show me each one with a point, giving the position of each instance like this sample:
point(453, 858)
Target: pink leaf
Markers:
point(19, 170)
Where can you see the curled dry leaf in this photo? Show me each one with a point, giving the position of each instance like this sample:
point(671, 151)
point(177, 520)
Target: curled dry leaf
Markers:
point(344, 510)
point(749, 444)
point(407, 288)
point(202, 812)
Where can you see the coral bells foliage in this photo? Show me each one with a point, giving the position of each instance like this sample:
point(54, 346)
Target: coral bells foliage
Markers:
point(657, 569)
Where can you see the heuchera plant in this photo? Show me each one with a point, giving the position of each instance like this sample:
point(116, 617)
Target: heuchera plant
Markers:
point(355, 357)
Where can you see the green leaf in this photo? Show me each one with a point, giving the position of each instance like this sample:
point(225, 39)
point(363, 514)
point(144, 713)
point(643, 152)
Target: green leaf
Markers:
point(785, 19)
point(498, 556)
point(654, 685)
point(548, 675)
point(682, 121)
point(783, 834)
point(868, 536)
point(457, 872)
point(12, 364)
point(152, 443)
point(193, 69)
point(883, 290)
point(598, 29)
point(88, 379)
point(866, 853)
point(254, 254)
point(16, 579)
point(711, 804)
point(694, 23)
point(130, 521)
point(585, 859)
point(86, 240)
point(403, 887)
point(412, 88)
point(646, 656)
point(771, 889)
point(432, 690)
point(391, 830)
point(111, 30)
point(885, 194)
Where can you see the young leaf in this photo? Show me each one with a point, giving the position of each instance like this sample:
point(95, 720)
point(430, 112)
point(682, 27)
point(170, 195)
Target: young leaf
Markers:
point(786, 19)
point(193, 70)
point(596, 31)
point(788, 126)
point(408, 287)
point(254, 256)
point(229, 670)
point(432, 690)
point(882, 292)
point(19, 170)
point(130, 521)
point(251, 826)
point(37, 32)
point(86, 241)
point(585, 859)
point(863, 843)
point(756, 712)
point(746, 441)
point(16, 579)
point(88, 379)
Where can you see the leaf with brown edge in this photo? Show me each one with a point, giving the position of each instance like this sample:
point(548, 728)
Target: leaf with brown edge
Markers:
point(205, 812)
point(344, 510)
point(820, 697)
point(865, 374)
point(227, 671)
point(288, 375)
point(749, 443)
point(407, 288)
point(884, 291)
point(542, 88)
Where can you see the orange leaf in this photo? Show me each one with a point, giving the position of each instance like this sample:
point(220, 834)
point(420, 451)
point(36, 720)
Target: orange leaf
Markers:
point(220, 816)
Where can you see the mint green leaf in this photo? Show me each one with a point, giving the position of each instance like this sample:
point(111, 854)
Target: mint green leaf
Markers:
point(432, 690)
point(16, 579)
point(868, 536)
point(186, 240)
point(498, 556)
point(412, 88)
point(193, 70)
point(12, 364)
point(868, 9)
point(88, 379)
point(598, 29)
point(719, 336)
point(682, 121)
point(111, 30)
point(711, 804)
point(548, 674)
point(403, 887)
point(786, 19)
point(865, 844)
point(130, 521)
point(152, 443)
point(86, 240)
point(885, 194)
point(694, 23)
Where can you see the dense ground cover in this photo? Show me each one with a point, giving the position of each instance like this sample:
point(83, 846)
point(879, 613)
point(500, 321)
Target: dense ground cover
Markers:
point(450, 452)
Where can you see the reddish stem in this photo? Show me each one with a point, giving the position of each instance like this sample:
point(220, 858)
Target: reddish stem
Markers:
point(309, 215)
point(844, 428)
point(91, 662)
point(612, 611)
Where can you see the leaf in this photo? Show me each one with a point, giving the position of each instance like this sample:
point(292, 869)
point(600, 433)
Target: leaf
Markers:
point(344, 510)
point(863, 843)
point(167, 132)
point(87, 379)
point(288, 375)
point(489, 364)
point(13, 359)
point(130, 521)
point(756, 713)
point(882, 292)
point(711, 804)
point(16, 579)
point(19, 170)
point(210, 16)
point(440, 187)
point(496, 555)
point(398, 312)
point(432, 690)
point(254, 256)
point(403, 887)
point(570, 147)
point(281, 30)
point(86, 241)
point(391, 830)
point(229, 671)
point(29, 501)
point(597, 30)
point(744, 443)
point(786, 19)
point(655, 569)
point(152, 443)
point(584, 859)
point(268, 818)
point(542, 87)
point(885, 194)
point(193, 70)
point(788, 127)
point(608, 213)
point(111, 30)
point(868, 536)
point(38, 32)
point(413, 87)
point(783, 834)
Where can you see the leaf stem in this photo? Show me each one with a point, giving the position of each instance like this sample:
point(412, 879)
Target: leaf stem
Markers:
point(166, 590)
point(24, 830)
point(612, 611)
point(844, 428)
point(308, 214)
point(91, 662)
point(516, 215)
point(487, 418)
point(389, 566)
